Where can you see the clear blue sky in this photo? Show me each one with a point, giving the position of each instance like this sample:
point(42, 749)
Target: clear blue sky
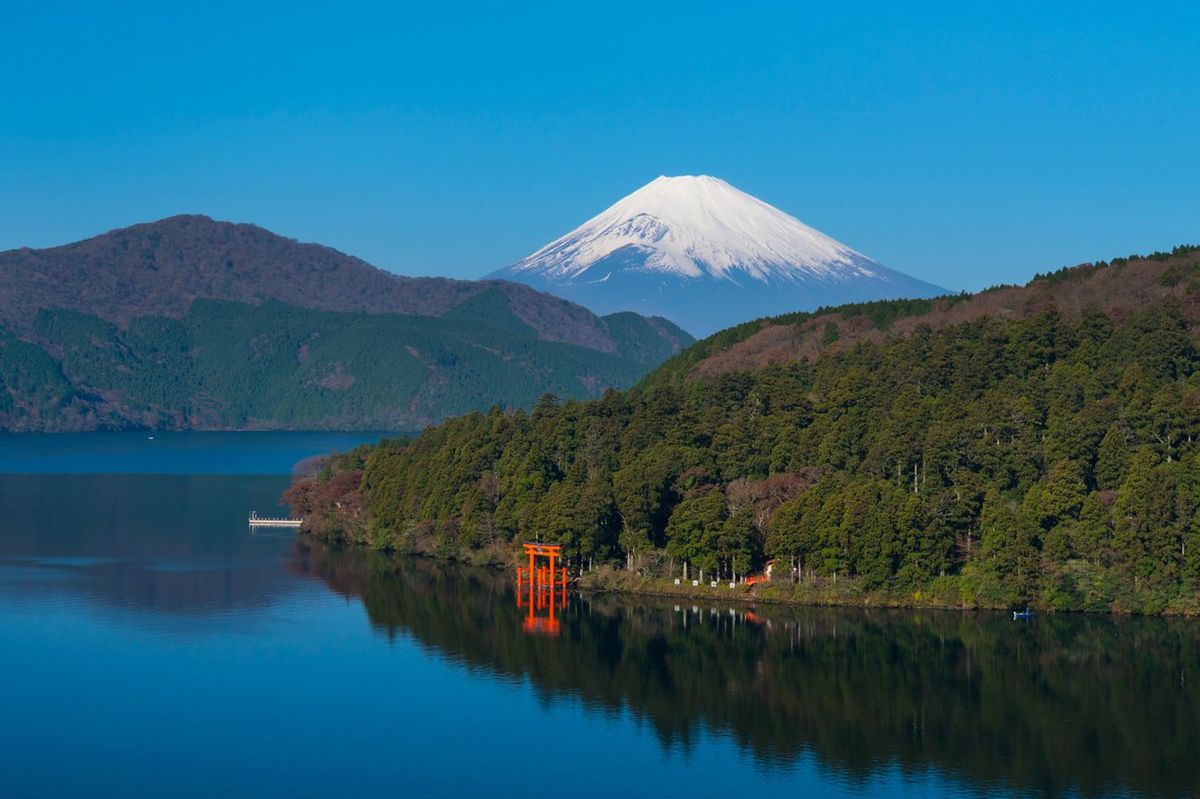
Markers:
point(963, 145)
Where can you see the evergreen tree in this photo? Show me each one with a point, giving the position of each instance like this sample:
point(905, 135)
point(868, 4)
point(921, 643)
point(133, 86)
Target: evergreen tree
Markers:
point(1009, 557)
point(1111, 457)
point(694, 530)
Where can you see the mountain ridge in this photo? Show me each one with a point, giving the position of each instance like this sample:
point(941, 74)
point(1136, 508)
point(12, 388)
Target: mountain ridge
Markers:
point(160, 267)
point(705, 255)
point(193, 324)
point(1120, 286)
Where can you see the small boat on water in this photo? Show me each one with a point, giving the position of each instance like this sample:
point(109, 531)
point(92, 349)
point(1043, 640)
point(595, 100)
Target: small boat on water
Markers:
point(1022, 614)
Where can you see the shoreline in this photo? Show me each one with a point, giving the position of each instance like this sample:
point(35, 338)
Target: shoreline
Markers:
point(781, 593)
point(831, 596)
point(815, 596)
point(614, 581)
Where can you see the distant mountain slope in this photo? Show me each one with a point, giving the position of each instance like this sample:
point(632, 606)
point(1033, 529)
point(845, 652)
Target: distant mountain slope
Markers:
point(158, 268)
point(189, 323)
point(706, 256)
point(225, 365)
point(1119, 288)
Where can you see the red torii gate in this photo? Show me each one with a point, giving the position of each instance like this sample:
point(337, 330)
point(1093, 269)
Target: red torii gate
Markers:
point(541, 582)
point(542, 577)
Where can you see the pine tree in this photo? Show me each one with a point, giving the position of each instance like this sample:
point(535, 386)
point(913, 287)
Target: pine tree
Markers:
point(1010, 556)
point(1111, 459)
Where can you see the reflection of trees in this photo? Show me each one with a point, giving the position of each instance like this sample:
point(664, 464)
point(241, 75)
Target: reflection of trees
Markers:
point(158, 543)
point(1063, 704)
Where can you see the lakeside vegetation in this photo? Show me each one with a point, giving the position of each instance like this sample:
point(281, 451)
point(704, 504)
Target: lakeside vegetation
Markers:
point(970, 453)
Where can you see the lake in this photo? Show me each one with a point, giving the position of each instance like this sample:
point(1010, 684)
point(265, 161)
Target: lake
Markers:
point(150, 644)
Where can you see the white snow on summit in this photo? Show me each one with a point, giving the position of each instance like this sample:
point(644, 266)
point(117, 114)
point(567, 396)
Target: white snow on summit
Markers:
point(697, 226)
point(706, 256)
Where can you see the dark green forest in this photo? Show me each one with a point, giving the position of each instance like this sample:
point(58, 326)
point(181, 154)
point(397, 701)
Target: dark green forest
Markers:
point(993, 459)
point(232, 365)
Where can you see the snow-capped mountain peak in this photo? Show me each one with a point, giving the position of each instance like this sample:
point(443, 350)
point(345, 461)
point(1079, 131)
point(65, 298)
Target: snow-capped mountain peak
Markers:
point(705, 255)
point(692, 226)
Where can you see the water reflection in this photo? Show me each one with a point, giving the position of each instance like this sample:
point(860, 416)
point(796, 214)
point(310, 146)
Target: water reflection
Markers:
point(1063, 705)
point(542, 608)
point(147, 543)
point(541, 590)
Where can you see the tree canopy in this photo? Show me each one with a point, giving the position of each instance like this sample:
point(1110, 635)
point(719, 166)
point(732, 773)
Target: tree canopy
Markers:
point(1049, 460)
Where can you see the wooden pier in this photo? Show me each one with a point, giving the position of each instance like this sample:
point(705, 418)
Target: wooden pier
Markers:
point(263, 521)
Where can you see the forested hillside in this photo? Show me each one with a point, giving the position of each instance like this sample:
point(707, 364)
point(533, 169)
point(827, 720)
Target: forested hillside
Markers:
point(1032, 444)
point(226, 365)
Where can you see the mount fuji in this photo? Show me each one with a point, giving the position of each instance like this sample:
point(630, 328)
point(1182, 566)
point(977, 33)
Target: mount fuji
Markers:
point(705, 255)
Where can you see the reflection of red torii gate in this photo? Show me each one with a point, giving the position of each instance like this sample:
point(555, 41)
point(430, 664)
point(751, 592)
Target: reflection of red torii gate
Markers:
point(541, 582)
point(536, 601)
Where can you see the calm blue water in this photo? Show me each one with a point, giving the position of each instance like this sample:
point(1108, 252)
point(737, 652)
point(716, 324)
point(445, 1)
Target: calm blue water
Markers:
point(169, 453)
point(150, 645)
